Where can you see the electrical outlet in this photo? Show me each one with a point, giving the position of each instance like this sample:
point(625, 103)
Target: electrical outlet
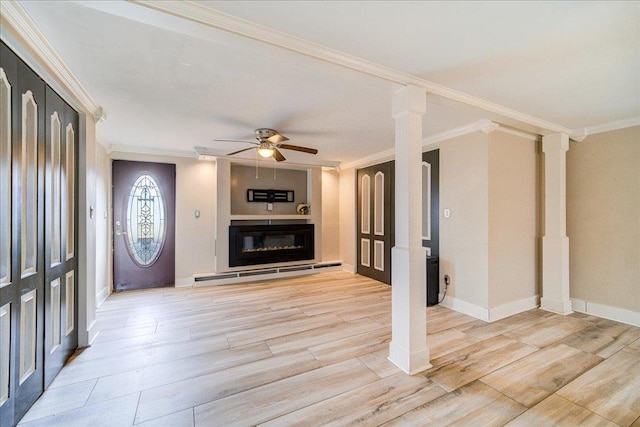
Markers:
point(447, 279)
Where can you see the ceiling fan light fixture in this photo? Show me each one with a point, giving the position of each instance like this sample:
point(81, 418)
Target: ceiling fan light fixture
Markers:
point(265, 149)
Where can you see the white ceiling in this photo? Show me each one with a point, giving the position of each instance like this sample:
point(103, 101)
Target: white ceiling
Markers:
point(171, 84)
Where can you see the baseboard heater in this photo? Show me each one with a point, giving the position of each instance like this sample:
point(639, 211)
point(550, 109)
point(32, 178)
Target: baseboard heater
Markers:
point(235, 276)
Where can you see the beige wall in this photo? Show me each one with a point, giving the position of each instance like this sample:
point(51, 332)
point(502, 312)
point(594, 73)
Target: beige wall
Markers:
point(103, 218)
point(330, 215)
point(244, 177)
point(195, 190)
point(347, 217)
point(513, 218)
point(87, 250)
point(464, 245)
point(603, 218)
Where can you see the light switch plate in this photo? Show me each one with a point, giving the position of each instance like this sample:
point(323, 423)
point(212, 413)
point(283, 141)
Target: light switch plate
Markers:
point(447, 213)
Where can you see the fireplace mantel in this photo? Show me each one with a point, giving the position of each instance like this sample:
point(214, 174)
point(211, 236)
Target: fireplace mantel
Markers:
point(267, 217)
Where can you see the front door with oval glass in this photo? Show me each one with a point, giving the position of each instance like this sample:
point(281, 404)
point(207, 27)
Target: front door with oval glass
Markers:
point(143, 224)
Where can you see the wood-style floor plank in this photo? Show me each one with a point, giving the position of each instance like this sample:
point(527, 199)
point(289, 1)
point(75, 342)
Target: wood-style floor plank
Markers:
point(285, 396)
point(371, 404)
point(475, 404)
point(313, 350)
point(461, 367)
point(536, 376)
point(557, 411)
point(611, 389)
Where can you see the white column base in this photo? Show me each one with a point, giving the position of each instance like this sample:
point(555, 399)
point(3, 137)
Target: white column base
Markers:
point(410, 363)
point(408, 348)
point(556, 306)
point(555, 275)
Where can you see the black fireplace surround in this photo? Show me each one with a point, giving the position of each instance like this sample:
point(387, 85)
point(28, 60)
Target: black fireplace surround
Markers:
point(266, 244)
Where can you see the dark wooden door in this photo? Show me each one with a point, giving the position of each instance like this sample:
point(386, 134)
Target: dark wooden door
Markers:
point(60, 290)
point(22, 282)
point(143, 224)
point(38, 229)
point(431, 202)
point(375, 221)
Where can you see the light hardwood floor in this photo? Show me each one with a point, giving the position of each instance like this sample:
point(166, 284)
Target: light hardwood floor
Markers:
point(312, 351)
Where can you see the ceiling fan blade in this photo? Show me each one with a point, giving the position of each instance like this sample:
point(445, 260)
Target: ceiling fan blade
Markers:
point(278, 155)
point(240, 151)
point(297, 148)
point(236, 140)
point(277, 138)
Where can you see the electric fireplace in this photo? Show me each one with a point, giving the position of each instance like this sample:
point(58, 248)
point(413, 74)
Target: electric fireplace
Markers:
point(266, 244)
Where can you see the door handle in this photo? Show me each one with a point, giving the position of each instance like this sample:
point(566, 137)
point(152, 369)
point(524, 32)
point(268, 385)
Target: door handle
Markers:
point(118, 233)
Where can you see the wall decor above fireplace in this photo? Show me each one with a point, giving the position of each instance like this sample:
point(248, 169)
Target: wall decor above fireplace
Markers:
point(270, 196)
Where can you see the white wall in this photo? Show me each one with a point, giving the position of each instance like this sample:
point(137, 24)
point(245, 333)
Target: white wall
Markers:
point(603, 223)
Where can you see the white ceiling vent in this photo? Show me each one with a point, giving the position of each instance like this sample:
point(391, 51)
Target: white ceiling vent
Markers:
point(205, 153)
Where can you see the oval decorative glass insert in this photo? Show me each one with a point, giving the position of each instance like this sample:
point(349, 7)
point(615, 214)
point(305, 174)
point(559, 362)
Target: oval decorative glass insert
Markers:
point(145, 221)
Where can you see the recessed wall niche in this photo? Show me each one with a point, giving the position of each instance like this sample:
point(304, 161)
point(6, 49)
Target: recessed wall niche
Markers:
point(244, 177)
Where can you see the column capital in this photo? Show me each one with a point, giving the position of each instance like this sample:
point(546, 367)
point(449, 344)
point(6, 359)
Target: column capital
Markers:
point(555, 142)
point(409, 99)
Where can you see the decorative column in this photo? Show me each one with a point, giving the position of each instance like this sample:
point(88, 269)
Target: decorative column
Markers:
point(408, 348)
point(555, 243)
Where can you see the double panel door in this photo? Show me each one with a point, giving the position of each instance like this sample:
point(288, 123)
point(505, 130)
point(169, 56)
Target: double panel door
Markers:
point(38, 193)
point(375, 223)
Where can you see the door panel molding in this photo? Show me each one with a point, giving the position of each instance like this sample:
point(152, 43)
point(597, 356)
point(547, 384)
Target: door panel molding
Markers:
point(5, 351)
point(365, 203)
point(70, 302)
point(28, 328)
point(29, 184)
point(378, 255)
point(365, 252)
point(375, 215)
point(5, 179)
point(378, 204)
point(69, 171)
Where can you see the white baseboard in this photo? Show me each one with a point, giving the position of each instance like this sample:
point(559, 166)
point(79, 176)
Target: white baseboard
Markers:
point(492, 314)
point(514, 307)
point(263, 274)
point(184, 282)
point(102, 296)
point(606, 311)
point(465, 308)
point(556, 306)
point(349, 268)
point(92, 333)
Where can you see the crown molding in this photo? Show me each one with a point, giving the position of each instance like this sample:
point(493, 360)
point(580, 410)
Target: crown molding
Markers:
point(582, 133)
point(370, 160)
point(522, 134)
point(484, 126)
point(17, 21)
point(202, 14)
point(136, 149)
